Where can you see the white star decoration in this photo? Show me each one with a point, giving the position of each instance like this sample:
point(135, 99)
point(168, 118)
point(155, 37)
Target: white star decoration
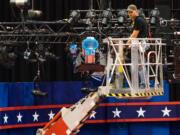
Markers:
point(116, 113)
point(166, 112)
point(35, 116)
point(51, 115)
point(141, 112)
point(93, 115)
point(5, 118)
point(19, 117)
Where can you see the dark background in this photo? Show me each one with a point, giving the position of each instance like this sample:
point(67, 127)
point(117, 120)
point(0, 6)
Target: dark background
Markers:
point(61, 69)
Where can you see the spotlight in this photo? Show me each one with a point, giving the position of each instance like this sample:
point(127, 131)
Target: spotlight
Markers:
point(7, 56)
point(12, 55)
point(27, 54)
point(163, 22)
point(20, 3)
point(30, 56)
point(90, 44)
point(73, 49)
point(74, 16)
point(23, 6)
point(90, 15)
point(34, 13)
point(141, 13)
point(107, 14)
point(73, 52)
point(122, 15)
point(154, 16)
point(49, 55)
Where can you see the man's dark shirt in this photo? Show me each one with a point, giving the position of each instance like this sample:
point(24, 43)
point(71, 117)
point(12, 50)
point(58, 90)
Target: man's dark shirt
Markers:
point(141, 25)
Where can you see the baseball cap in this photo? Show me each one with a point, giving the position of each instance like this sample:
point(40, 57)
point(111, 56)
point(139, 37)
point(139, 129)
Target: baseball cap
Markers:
point(131, 7)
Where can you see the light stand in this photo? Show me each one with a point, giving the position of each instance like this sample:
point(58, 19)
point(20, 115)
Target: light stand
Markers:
point(36, 80)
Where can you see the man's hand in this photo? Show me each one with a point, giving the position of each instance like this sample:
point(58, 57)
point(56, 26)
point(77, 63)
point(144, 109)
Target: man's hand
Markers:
point(128, 43)
point(134, 34)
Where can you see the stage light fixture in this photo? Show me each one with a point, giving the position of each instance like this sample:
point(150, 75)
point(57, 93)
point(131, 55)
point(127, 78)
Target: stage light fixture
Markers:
point(141, 13)
point(122, 15)
point(20, 3)
point(90, 44)
point(107, 14)
point(90, 15)
point(154, 16)
point(23, 6)
point(7, 56)
point(30, 56)
point(10, 52)
point(73, 48)
point(27, 54)
point(49, 55)
point(34, 13)
point(74, 16)
point(73, 52)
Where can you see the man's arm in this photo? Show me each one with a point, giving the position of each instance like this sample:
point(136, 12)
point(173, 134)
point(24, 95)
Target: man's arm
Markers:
point(133, 35)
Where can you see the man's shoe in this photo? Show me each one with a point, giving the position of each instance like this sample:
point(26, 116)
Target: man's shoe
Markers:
point(142, 86)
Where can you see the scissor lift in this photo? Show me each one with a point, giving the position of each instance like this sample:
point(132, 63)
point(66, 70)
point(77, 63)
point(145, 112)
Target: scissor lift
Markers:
point(68, 121)
point(145, 54)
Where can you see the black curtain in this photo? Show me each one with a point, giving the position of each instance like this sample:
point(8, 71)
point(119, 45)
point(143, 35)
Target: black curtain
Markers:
point(61, 69)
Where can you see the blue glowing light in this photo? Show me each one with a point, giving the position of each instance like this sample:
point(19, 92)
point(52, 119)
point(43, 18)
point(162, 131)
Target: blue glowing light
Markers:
point(90, 44)
point(73, 48)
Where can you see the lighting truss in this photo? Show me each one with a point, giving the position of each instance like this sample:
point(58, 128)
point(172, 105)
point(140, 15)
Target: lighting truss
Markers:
point(34, 31)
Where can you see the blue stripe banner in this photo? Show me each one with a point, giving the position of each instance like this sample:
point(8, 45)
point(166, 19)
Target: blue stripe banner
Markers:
point(33, 116)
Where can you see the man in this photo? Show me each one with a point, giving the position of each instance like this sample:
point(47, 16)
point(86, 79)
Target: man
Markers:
point(140, 30)
point(140, 26)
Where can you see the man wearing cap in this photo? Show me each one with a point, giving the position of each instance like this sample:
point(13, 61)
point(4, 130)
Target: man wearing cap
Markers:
point(140, 30)
point(140, 26)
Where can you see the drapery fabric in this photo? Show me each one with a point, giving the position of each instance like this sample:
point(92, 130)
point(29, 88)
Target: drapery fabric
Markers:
point(19, 94)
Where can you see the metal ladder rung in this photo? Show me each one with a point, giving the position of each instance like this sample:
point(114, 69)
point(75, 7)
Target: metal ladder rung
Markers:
point(152, 75)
